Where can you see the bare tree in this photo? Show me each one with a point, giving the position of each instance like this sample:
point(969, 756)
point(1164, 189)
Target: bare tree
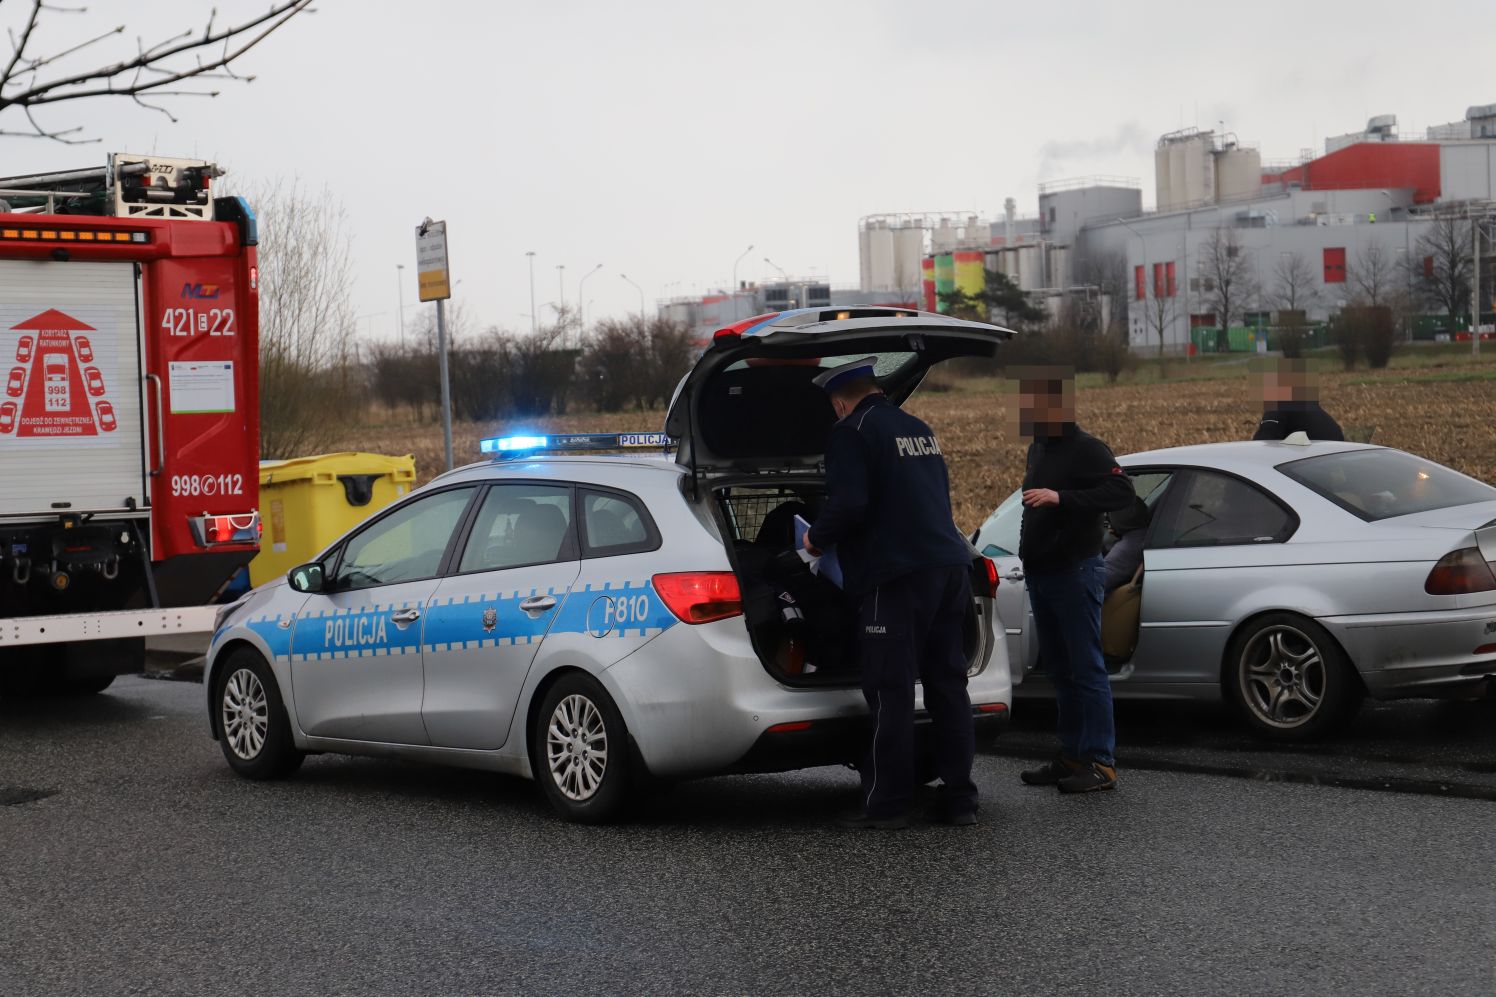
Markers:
point(171, 67)
point(1158, 315)
point(308, 385)
point(1442, 278)
point(1294, 288)
point(1229, 276)
point(1373, 273)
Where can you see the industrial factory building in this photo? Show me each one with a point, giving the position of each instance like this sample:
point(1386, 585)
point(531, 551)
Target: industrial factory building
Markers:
point(1372, 195)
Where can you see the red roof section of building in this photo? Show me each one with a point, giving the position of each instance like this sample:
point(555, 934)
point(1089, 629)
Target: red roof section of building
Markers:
point(1370, 165)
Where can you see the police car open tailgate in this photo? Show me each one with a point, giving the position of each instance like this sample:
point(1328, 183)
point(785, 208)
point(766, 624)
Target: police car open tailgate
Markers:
point(749, 402)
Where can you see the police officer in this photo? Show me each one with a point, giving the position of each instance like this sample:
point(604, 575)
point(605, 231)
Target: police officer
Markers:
point(888, 514)
point(1290, 404)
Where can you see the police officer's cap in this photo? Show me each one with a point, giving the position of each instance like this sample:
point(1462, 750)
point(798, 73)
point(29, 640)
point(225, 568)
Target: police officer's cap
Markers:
point(836, 377)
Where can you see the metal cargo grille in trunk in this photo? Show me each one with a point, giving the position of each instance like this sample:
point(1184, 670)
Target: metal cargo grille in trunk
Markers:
point(746, 508)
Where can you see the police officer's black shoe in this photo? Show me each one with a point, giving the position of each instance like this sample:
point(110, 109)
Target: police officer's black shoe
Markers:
point(1050, 773)
point(1089, 779)
point(940, 815)
point(857, 820)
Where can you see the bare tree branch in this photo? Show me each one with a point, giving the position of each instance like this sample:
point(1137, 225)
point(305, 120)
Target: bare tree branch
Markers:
point(154, 69)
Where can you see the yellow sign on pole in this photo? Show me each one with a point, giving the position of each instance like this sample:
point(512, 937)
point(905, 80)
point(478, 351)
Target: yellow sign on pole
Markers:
point(431, 261)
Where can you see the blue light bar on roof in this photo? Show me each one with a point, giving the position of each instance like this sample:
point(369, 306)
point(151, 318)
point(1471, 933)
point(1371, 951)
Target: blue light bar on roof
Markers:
point(514, 446)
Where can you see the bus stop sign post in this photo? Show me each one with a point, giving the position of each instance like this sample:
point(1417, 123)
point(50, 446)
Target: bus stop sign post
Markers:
point(436, 285)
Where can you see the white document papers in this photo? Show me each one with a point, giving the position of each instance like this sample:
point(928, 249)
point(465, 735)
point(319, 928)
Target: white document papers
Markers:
point(827, 565)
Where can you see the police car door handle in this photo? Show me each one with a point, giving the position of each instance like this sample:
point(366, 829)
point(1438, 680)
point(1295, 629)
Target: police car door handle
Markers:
point(535, 605)
point(1016, 575)
point(405, 617)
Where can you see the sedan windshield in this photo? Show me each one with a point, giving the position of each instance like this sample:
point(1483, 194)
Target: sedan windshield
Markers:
point(1380, 484)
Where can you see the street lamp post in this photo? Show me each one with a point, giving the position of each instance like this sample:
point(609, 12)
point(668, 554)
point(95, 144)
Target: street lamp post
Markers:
point(534, 325)
point(400, 291)
point(783, 276)
point(641, 294)
point(581, 301)
point(735, 280)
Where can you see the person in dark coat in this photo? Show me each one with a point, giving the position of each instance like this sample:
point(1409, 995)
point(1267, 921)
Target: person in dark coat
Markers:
point(1130, 526)
point(1071, 480)
point(908, 570)
point(1290, 404)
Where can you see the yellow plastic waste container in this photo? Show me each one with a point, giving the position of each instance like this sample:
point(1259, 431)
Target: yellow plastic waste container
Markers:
point(308, 502)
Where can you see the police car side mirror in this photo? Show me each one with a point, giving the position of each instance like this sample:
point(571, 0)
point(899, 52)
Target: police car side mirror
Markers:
point(307, 577)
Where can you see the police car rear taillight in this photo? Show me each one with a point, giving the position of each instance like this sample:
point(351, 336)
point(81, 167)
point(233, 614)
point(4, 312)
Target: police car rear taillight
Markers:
point(984, 577)
point(700, 596)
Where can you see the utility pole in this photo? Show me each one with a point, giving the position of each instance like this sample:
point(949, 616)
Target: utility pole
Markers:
point(1475, 289)
point(435, 285)
point(735, 280)
point(400, 289)
point(534, 326)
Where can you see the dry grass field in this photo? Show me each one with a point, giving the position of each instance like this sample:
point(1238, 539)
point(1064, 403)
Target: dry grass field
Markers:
point(1433, 402)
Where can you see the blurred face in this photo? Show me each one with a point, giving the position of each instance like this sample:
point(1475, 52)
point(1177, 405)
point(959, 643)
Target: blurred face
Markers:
point(1287, 382)
point(1041, 404)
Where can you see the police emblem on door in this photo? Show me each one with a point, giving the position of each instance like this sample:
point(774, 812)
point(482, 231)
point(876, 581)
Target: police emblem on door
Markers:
point(490, 619)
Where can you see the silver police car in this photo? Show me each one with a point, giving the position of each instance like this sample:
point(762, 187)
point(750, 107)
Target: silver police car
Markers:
point(598, 622)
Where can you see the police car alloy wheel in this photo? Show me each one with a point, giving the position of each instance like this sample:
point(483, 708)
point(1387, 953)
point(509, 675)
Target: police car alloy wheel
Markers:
point(254, 729)
point(246, 714)
point(579, 750)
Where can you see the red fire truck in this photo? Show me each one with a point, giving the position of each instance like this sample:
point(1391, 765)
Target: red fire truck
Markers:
point(129, 413)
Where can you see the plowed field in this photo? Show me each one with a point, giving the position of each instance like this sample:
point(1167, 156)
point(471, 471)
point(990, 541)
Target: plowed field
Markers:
point(1445, 412)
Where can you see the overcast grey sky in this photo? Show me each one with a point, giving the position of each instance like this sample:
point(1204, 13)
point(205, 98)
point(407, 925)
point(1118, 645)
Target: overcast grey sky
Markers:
point(660, 137)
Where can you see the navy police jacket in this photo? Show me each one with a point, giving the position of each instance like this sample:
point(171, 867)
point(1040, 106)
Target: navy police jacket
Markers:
point(888, 507)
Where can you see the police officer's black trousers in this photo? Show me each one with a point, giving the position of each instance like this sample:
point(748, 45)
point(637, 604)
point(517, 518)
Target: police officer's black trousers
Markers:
point(910, 628)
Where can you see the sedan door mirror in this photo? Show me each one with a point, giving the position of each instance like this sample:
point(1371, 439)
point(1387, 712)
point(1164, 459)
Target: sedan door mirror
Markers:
point(307, 577)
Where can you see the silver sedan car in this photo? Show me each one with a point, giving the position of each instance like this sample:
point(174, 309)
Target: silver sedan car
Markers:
point(1291, 579)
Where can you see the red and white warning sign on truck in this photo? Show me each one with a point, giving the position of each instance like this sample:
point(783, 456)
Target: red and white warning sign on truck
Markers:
point(59, 385)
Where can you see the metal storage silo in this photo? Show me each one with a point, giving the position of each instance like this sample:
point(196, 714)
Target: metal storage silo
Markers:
point(945, 278)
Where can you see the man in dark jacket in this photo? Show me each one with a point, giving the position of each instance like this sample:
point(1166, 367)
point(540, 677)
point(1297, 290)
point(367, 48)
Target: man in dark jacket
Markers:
point(1290, 404)
point(907, 567)
point(1071, 479)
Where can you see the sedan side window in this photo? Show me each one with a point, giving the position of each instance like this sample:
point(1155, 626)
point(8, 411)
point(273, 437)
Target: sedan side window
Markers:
point(520, 524)
point(1217, 509)
point(405, 546)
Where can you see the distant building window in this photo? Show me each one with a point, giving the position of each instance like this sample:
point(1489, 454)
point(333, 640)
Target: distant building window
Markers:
point(1171, 288)
point(1334, 265)
point(1140, 285)
point(1158, 281)
point(1428, 268)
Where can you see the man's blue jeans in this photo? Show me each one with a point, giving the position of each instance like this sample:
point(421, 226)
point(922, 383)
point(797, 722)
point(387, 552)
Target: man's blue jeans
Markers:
point(1067, 613)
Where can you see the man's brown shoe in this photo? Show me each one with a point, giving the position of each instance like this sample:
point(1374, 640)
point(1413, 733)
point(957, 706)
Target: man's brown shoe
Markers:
point(1050, 773)
point(1089, 779)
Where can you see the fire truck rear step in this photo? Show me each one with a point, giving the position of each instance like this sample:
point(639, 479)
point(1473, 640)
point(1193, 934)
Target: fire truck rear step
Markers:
point(107, 626)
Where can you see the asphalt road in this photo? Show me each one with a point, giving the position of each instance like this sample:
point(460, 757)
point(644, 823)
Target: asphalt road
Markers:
point(133, 861)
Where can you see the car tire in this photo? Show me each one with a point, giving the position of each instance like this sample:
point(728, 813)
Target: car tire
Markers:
point(254, 728)
point(579, 751)
point(1290, 679)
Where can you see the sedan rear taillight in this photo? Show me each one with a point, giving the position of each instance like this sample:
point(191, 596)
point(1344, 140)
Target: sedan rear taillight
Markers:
point(1461, 572)
point(700, 596)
